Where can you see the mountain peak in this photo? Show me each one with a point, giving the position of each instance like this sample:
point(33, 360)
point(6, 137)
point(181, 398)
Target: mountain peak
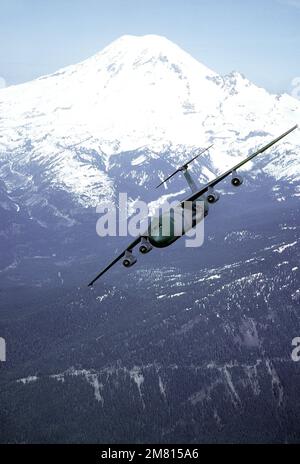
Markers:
point(145, 39)
point(140, 91)
point(148, 41)
point(148, 50)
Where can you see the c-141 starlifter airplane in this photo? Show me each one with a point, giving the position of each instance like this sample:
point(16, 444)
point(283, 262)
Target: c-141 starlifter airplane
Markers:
point(154, 236)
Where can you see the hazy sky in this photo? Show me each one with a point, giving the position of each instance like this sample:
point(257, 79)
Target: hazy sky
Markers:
point(260, 38)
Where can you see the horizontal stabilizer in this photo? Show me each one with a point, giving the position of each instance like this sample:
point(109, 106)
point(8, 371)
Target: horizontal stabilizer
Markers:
point(184, 166)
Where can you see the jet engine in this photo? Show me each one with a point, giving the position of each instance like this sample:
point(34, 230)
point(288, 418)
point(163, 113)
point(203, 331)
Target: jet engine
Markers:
point(212, 196)
point(129, 260)
point(236, 180)
point(145, 246)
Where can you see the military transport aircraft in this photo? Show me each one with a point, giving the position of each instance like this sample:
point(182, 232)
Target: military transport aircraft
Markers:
point(154, 236)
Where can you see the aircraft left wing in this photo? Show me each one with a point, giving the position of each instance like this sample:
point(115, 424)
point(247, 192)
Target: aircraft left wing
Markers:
point(114, 261)
point(221, 177)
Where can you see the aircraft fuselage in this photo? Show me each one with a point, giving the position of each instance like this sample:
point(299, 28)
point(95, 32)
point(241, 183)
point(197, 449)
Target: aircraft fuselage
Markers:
point(168, 226)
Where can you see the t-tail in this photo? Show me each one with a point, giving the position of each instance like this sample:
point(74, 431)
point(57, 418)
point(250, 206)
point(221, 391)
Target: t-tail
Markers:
point(184, 169)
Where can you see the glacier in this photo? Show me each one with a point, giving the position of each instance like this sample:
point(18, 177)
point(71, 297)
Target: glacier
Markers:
point(140, 94)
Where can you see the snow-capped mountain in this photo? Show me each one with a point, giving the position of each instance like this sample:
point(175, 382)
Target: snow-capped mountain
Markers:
point(142, 95)
point(191, 345)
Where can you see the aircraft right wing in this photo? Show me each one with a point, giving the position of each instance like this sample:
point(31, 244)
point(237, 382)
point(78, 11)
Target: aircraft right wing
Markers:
point(221, 177)
point(114, 261)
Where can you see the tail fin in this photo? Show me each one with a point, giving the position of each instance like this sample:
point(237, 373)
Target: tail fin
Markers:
point(184, 166)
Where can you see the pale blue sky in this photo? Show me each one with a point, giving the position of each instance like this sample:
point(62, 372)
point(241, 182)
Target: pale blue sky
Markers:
point(260, 38)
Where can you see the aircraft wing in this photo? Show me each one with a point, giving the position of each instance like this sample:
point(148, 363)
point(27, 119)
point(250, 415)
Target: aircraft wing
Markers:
point(221, 177)
point(114, 261)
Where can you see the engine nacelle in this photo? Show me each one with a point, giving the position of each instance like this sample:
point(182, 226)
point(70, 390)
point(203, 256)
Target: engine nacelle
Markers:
point(236, 180)
point(145, 246)
point(129, 260)
point(212, 196)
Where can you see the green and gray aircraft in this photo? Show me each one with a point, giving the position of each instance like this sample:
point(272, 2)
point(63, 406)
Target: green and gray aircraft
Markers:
point(155, 235)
